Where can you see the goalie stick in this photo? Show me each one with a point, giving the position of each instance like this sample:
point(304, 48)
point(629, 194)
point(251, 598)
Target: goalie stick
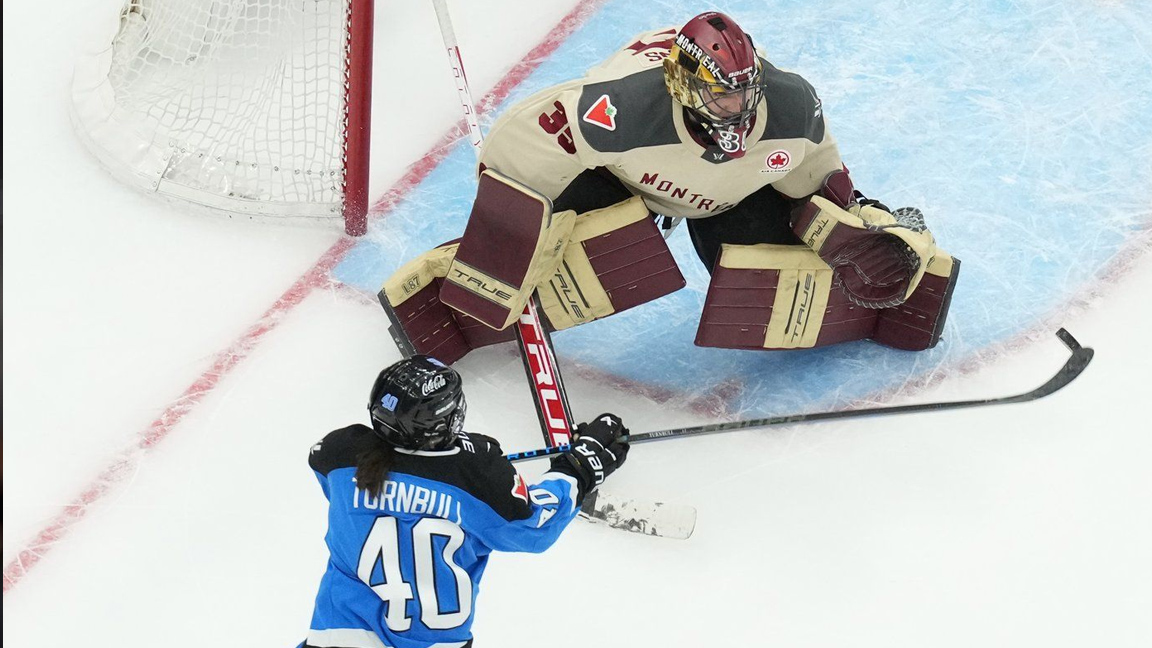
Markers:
point(1072, 368)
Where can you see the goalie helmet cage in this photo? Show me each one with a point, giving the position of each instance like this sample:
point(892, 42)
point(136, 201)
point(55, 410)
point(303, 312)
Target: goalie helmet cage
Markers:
point(258, 109)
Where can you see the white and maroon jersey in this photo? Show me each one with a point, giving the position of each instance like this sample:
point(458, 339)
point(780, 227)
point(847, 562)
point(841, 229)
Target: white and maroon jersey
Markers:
point(620, 116)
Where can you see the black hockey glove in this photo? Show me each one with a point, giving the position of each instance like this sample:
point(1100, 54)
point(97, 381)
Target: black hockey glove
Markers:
point(600, 448)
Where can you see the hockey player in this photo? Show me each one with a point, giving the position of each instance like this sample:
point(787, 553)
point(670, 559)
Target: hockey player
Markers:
point(688, 124)
point(416, 505)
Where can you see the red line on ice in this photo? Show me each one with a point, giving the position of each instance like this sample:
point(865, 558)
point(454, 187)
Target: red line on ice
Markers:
point(317, 276)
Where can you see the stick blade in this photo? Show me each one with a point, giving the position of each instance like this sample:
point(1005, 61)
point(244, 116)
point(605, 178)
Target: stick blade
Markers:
point(640, 516)
point(1073, 367)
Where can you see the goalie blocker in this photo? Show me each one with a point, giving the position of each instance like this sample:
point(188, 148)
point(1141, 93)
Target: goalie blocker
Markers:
point(784, 297)
point(464, 295)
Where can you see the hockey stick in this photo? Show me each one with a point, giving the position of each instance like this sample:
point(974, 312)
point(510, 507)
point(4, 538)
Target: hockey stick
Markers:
point(638, 516)
point(551, 401)
point(1072, 368)
point(549, 395)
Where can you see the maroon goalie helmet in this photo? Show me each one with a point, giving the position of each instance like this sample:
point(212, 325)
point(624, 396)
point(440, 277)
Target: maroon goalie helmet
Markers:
point(713, 70)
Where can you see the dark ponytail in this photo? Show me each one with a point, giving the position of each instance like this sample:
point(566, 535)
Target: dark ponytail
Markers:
point(372, 467)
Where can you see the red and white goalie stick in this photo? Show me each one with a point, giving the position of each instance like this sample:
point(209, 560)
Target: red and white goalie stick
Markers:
point(552, 408)
point(544, 376)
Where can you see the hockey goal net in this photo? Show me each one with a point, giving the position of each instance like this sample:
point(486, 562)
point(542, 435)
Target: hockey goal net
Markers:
point(256, 108)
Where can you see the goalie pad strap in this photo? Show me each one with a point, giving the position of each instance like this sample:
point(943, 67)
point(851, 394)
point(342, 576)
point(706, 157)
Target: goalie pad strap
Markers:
point(616, 259)
point(512, 243)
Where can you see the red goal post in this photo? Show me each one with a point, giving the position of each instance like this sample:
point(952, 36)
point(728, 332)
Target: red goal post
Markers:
point(255, 108)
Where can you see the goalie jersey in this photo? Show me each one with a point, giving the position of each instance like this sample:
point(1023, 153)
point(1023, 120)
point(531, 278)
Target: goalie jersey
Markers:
point(620, 117)
point(405, 566)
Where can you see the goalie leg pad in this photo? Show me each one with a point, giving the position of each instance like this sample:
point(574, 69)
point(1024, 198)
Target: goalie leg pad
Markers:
point(616, 259)
point(431, 327)
point(777, 297)
point(917, 324)
point(513, 242)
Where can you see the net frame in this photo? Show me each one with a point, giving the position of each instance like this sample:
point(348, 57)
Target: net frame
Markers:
point(257, 109)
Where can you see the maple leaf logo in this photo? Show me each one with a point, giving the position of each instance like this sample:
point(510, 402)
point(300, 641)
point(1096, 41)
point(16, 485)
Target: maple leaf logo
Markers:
point(778, 159)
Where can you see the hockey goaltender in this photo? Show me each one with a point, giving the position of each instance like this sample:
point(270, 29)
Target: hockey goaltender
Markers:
point(691, 124)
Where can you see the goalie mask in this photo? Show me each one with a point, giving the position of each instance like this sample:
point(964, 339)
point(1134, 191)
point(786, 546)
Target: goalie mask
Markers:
point(418, 404)
point(714, 71)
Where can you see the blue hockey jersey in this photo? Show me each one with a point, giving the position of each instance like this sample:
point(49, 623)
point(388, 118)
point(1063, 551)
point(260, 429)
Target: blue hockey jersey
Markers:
point(405, 565)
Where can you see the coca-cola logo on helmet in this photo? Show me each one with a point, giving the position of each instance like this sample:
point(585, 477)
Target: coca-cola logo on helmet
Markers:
point(432, 384)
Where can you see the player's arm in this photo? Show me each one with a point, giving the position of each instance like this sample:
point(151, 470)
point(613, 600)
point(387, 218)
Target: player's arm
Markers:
point(805, 117)
point(878, 256)
point(532, 517)
point(808, 177)
point(532, 142)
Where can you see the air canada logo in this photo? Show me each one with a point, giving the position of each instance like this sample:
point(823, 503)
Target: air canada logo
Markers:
point(602, 113)
point(777, 161)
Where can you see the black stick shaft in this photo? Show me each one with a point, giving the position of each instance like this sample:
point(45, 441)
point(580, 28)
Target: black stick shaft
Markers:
point(395, 329)
point(1072, 368)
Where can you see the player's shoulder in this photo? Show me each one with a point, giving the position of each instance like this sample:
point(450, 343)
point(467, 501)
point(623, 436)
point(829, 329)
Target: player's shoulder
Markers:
point(475, 465)
point(341, 448)
point(644, 50)
point(612, 104)
point(472, 460)
point(623, 103)
point(794, 108)
point(619, 114)
point(482, 446)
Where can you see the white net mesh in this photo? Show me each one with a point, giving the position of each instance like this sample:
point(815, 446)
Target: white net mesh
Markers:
point(234, 104)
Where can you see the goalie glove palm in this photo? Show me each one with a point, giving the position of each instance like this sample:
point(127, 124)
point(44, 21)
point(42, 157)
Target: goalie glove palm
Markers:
point(877, 259)
point(874, 272)
point(600, 448)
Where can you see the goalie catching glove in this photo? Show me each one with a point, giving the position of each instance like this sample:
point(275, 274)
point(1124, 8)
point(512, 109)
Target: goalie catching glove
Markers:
point(878, 257)
point(600, 448)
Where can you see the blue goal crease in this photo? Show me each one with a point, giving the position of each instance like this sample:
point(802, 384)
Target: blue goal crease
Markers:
point(1021, 144)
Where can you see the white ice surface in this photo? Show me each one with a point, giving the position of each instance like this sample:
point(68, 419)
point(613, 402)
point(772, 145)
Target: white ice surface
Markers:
point(1026, 525)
